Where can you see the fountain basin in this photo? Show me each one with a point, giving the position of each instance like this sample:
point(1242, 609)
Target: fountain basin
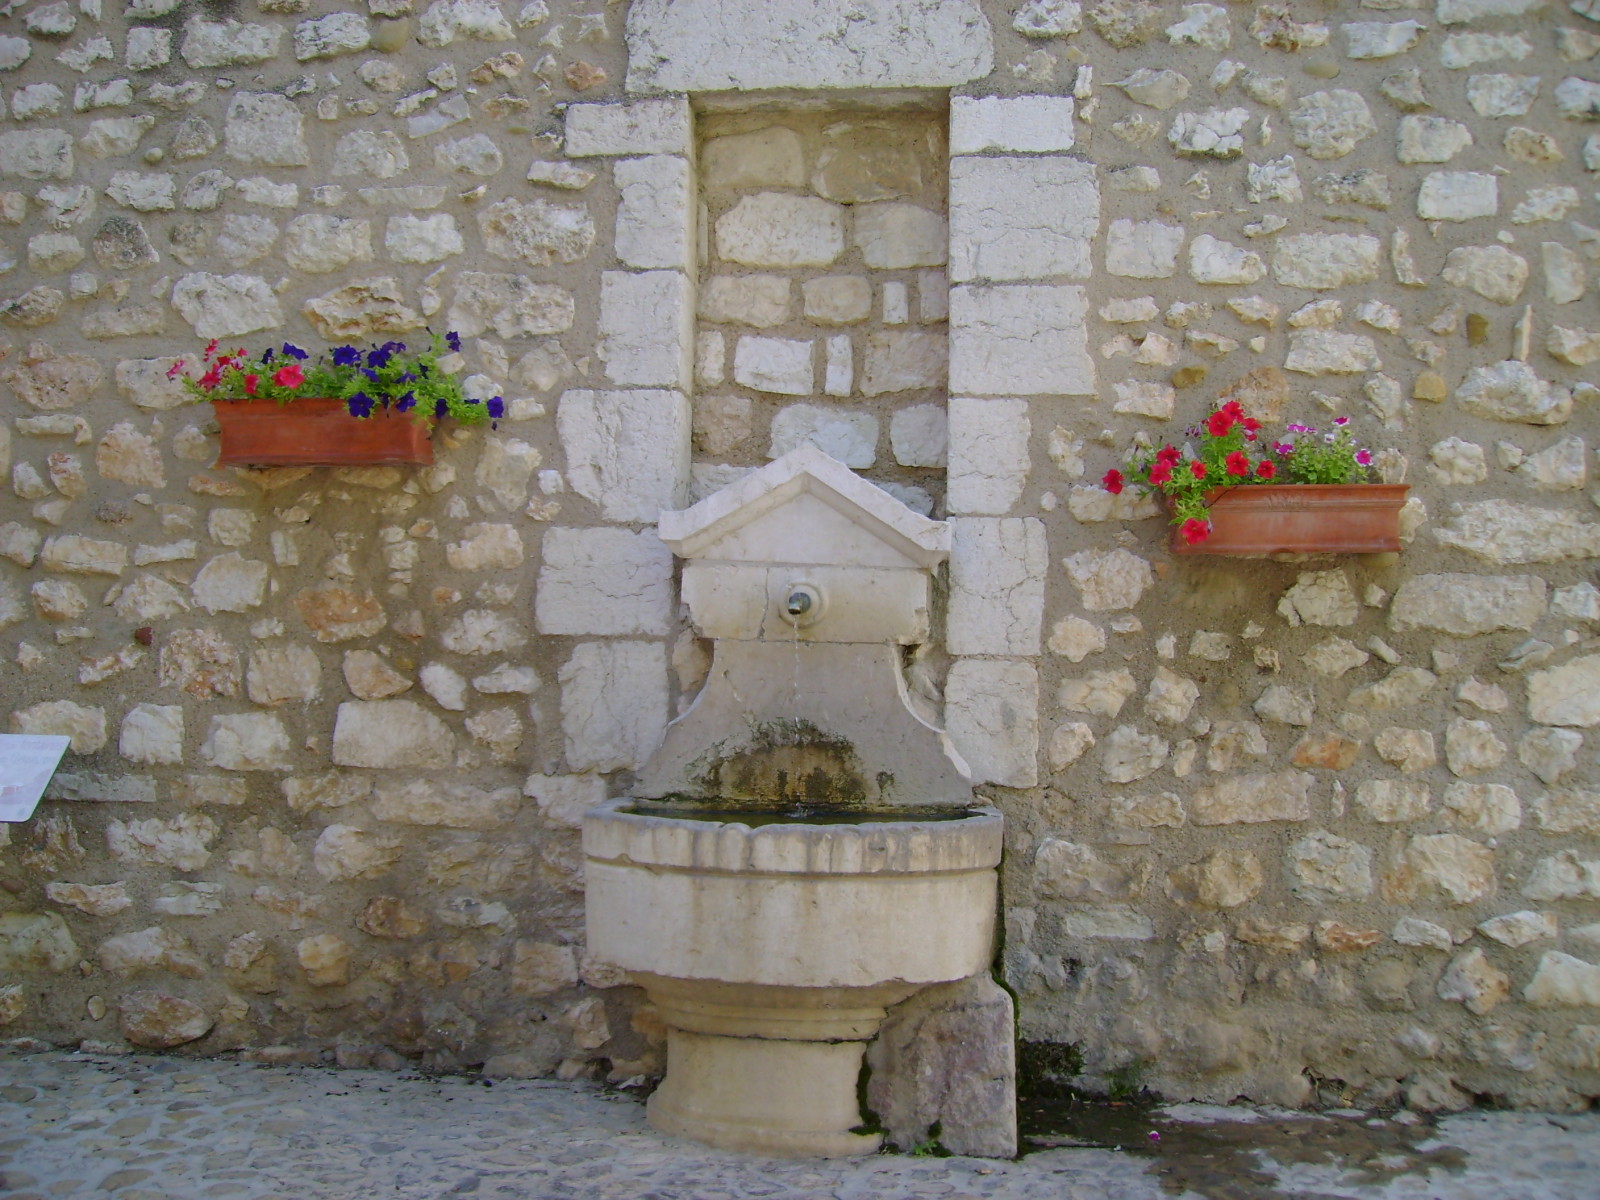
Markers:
point(772, 951)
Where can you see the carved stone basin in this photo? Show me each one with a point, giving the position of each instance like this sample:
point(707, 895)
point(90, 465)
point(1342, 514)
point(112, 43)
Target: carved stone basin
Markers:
point(773, 949)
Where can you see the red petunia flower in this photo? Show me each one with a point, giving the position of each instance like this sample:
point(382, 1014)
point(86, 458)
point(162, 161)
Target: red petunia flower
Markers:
point(1112, 481)
point(1194, 530)
point(1169, 454)
point(1237, 463)
point(1218, 423)
point(175, 369)
point(1161, 473)
point(1266, 468)
point(291, 376)
point(250, 383)
point(1197, 469)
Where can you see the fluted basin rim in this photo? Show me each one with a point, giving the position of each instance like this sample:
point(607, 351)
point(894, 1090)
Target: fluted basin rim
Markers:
point(909, 847)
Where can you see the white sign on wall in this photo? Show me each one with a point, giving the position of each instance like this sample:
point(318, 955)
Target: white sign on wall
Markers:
point(27, 761)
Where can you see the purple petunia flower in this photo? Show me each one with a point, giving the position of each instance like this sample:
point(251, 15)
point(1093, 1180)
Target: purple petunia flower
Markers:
point(360, 404)
point(1295, 428)
point(440, 409)
point(294, 352)
point(453, 340)
point(1283, 447)
point(379, 357)
point(1341, 420)
point(497, 407)
point(346, 356)
point(1364, 457)
point(406, 402)
point(266, 355)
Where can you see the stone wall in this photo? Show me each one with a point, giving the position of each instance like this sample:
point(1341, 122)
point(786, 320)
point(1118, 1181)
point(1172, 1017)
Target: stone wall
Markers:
point(1302, 830)
point(823, 301)
point(1315, 830)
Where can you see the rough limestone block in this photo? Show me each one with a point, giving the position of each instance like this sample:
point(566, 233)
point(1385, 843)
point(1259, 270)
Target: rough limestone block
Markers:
point(1319, 261)
point(1563, 980)
point(1458, 196)
point(899, 360)
point(662, 126)
point(722, 45)
point(247, 742)
point(1324, 352)
point(839, 371)
point(893, 235)
point(1566, 695)
point(1468, 605)
point(1021, 218)
point(837, 299)
point(613, 704)
point(265, 128)
point(947, 1057)
point(775, 229)
point(1020, 340)
point(779, 365)
point(997, 577)
point(390, 733)
point(152, 734)
point(1142, 249)
point(655, 218)
point(227, 43)
point(1030, 124)
point(226, 305)
point(1212, 260)
point(759, 300)
point(991, 712)
point(604, 581)
point(988, 455)
point(850, 437)
point(647, 328)
point(771, 157)
point(627, 451)
point(920, 435)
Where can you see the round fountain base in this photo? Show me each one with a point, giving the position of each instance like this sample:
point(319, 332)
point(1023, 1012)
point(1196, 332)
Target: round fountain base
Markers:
point(773, 952)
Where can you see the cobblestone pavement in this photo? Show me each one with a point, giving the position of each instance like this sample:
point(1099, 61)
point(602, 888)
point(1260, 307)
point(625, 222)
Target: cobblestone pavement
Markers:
point(149, 1128)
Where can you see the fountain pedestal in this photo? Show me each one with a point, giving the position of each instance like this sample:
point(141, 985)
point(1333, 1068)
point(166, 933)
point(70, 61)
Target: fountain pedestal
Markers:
point(767, 1069)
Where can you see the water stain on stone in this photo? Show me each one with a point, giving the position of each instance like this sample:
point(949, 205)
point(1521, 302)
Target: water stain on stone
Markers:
point(1235, 1160)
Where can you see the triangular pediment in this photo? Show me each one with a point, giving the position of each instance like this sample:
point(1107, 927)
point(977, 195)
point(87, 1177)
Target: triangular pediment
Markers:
point(805, 507)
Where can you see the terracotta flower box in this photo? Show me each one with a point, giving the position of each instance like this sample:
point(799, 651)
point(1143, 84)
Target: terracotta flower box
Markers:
point(1304, 518)
point(318, 432)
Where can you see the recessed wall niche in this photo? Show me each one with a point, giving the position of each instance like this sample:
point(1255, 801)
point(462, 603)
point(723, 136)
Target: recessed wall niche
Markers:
point(823, 298)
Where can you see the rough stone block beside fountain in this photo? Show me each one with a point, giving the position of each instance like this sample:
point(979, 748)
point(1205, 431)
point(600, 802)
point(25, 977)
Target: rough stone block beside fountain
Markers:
point(804, 851)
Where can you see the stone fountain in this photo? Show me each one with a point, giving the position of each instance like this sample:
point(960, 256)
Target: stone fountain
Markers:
point(804, 849)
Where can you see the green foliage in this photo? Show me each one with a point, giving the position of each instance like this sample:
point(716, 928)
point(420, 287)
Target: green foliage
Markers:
point(931, 1146)
point(393, 376)
point(1222, 456)
point(1048, 1068)
point(1316, 457)
point(1125, 1082)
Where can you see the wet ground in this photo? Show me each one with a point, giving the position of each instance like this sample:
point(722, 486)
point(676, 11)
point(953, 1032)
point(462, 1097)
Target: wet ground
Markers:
point(165, 1128)
point(1240, 1153)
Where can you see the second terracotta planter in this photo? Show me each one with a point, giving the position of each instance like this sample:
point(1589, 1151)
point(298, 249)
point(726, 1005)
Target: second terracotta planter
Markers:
point(1301, 518)
point(318, 432)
